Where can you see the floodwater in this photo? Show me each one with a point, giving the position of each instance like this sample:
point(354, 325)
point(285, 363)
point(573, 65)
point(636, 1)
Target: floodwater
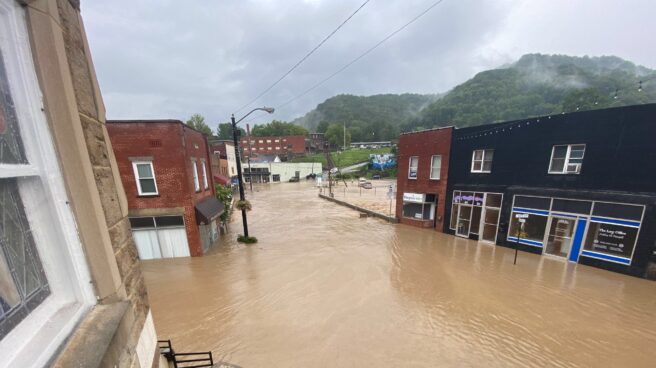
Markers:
point(325, 288)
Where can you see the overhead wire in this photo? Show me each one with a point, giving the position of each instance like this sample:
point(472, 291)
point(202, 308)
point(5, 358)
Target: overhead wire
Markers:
point(365, 53)
point(303, 58)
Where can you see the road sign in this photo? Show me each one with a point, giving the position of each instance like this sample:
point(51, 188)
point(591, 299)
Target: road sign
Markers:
point(521, 215)
point(522, 220)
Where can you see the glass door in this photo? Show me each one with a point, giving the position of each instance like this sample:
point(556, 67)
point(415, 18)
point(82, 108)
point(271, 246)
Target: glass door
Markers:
point(559, 239)
point(464, 219)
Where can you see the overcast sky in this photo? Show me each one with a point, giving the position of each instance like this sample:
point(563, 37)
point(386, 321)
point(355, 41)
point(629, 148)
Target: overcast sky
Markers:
point(170, 59)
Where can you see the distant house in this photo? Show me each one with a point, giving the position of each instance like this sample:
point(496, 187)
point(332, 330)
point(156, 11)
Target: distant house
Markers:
point(287, 145)
point(273, 172)
point(225, 149)
point(164, 167)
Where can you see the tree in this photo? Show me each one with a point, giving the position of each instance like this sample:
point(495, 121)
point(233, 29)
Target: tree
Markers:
point(335, 135)
point(224, 131)
point(277, 127)
point(197, 121)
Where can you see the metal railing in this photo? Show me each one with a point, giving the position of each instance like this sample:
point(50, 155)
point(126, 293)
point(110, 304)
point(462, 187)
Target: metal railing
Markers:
point(185, 360)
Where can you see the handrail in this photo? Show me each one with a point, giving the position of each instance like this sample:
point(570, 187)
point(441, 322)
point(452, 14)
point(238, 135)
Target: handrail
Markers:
point(166, 349)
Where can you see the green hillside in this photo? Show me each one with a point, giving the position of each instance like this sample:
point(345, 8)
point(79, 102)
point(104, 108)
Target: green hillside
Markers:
point(539, 85)
point(370, 118)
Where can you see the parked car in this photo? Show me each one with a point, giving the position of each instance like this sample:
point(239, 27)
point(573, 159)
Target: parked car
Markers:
point(294, 179)
point(376, 177)
point(367, 185)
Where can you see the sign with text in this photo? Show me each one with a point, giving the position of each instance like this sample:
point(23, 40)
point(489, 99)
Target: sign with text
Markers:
point(615, 240)
point(414, 197)
point(521, 216)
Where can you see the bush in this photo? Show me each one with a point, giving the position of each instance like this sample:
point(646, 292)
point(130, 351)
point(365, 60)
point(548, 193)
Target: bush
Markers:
point(224, 195)
point(247, 239)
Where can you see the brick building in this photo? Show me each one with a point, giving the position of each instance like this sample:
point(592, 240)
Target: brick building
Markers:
point(287, 145)
point(165, 170)
point(225, 151)
point(74, 295)
point(423, 166)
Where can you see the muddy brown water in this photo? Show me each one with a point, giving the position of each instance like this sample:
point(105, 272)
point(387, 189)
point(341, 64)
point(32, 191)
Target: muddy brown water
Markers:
point(324, 288)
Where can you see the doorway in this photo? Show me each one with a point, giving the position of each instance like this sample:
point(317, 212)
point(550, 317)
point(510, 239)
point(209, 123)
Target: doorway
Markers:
point(559, 238)
point(464, 219)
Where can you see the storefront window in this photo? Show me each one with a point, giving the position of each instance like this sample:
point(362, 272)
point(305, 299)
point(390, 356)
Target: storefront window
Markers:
point(476, 212)
point(533, 228)
point(611, 239)
point(418, 206)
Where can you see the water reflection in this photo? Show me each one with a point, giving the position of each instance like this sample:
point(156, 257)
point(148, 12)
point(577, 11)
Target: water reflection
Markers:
point(326, 288)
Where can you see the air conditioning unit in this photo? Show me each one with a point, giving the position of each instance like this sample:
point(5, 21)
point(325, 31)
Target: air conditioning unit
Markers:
point(573, 168)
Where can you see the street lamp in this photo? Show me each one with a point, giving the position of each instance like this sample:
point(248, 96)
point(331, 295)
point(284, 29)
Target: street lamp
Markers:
point(270, 110)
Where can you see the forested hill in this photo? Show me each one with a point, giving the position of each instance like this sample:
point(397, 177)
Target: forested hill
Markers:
point(368, 118)
point(539, 85)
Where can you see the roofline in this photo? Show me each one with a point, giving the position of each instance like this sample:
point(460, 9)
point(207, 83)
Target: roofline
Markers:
point(156, 121)
point(429, 130)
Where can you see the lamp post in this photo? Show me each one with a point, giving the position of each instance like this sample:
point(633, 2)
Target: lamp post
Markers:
point(238, 154)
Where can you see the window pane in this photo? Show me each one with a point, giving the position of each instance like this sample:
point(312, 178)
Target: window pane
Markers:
point(491, 216)
point(576, 153)
point(560, 152)
point(144, 171)
point(414, 161)
point(436, 162)
point(454, 217)
point(493, 200)
point(538, 203)
point(489, 154)
point(534, 227)
point(564, 205)
point(141, 222)
point(163, 221)
point(618, 211)
point(413, 210)
point(487, 166)
point(615, 240)
point(475, 220)
point(478, 165)
point(557, 165)
point(478, 155)
point(23, 285)
point(11, 145)
point(147, 185)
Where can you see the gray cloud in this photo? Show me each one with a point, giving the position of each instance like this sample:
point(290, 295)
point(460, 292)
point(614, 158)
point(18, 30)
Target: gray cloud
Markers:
point(170, 59)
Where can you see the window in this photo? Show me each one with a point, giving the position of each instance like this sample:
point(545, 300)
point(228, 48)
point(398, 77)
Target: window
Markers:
point(277, 148)
point(277, 140)
point(245, 148)
point(482, 161)
point(567, 159)
point(260, 141)
point(276, 177)
point(205, 184)
point(531, 232)
point(44, 280)
point(145, 177)
point(436, 166)
point(412, 169)
point(419, 206)
point(268, 140)
point(194, 169)
point(269, 148)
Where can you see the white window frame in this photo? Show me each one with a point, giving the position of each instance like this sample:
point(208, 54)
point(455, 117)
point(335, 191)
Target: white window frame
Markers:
point(137, 177)
point(194, 169)
point(567, 158)
point(439, 169)
point(482, 160)
point(38, 337)
point(205, 183)
point(410, 168)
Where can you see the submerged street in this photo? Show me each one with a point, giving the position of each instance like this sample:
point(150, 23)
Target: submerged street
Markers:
point(325, 288)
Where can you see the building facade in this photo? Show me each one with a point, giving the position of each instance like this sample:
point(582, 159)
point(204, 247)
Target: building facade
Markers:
point(422, 176)
point(275, 172)
point(578, 187)
point(284, 146)
point(225, 150)
point(71, 289)
point(165, 170)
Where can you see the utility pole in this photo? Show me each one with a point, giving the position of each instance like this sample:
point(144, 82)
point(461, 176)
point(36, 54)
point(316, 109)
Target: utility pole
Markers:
point(239, 174)
point(344, 136)
point(250, 153)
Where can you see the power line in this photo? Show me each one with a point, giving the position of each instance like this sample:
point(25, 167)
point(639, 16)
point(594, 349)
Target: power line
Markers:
point(356, 59)
point(361, 55)
point(304, 57)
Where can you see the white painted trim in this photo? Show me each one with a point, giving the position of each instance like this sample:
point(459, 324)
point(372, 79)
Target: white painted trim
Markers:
point(36, 339)
point(482, 160)
point(410, 168)
point(439, 170)
point(137, 178)
point(194, 169)
point(147, 343)
point(567, 158)
point(205, 181)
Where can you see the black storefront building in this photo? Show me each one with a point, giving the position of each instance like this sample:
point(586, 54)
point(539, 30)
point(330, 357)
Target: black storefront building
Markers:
point(580, 187)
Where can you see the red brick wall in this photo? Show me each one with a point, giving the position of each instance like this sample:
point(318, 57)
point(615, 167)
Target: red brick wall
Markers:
point(423, 144)
point(297, 143)
point(172, 146)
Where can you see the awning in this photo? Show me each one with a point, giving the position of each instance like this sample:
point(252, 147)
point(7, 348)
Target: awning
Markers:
point(221, 179)
point(208, 210)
